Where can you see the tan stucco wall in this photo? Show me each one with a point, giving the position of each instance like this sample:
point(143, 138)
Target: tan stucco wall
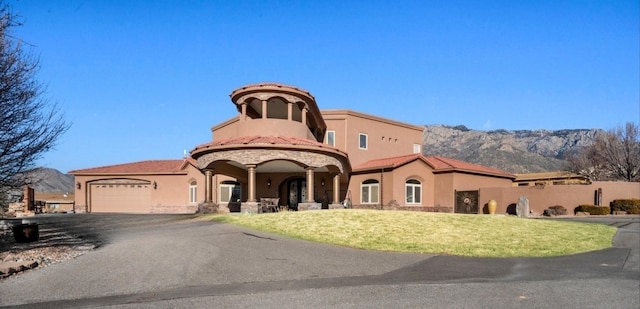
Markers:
point(225, 130)
point(398, 137)
point(569, 196)
point(444, 190)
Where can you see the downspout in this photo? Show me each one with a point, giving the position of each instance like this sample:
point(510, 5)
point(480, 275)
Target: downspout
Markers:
point(381, 187)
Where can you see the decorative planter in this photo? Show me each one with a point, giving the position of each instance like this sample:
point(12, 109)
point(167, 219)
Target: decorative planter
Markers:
point(491, 206)
point(26, 232)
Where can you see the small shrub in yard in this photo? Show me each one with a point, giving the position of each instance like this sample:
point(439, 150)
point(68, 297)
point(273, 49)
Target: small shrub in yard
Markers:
point(557, 210)
point(631, 206)
point(594, 210)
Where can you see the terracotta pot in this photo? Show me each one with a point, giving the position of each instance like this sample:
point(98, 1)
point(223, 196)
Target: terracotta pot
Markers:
point(492, 207)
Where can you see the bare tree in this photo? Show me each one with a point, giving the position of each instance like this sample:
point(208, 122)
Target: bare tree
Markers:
point(614, 155)
point(30, 124)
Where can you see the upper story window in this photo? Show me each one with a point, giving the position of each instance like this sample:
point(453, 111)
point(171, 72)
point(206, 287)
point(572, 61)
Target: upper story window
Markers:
point(417, 148)
point(193, 192)
point(413, 191)
point(363, 141)
point(370, 192)
point(330, 138)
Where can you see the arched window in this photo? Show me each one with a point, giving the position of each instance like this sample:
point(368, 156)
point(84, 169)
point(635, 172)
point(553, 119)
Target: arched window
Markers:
point(370, 192)
point(193, 192)
point(413, 191)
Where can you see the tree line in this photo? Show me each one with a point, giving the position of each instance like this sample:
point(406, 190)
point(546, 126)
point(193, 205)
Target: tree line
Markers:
point(613, 155)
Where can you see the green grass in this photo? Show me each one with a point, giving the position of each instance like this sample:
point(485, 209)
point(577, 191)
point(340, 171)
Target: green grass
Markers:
point(433, 233)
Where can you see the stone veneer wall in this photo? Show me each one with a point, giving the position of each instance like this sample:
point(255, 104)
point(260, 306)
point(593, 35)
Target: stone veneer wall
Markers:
point(191, 209)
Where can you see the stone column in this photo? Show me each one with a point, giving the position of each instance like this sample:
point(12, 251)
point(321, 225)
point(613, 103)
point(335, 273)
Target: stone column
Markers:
point(264, 109)
point(208, 190)
point(289, 111)
point(336, 189)
point(310, 193)
point(252, 183)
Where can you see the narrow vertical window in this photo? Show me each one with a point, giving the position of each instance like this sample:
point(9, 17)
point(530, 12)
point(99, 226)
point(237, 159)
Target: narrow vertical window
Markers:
point(417, 148)
point(193, 192)
point(330, 138)
point(363, 141)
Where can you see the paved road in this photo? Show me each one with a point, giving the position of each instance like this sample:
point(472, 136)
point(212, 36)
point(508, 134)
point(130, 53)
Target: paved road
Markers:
point(176, 261)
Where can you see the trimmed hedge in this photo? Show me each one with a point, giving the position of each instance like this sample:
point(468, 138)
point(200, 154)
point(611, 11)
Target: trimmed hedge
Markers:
point(631, 206)
point(594, 210)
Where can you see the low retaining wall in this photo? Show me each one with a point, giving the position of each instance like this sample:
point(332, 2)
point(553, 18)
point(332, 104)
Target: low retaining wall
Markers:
point(190, 209)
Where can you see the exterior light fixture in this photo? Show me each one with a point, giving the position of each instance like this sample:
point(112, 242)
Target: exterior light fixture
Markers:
point(322, 182)
point(269, 182)
point(155, 185)
point(78, 185)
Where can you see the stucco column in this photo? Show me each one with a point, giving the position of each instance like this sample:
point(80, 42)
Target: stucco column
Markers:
point(243, 111)
point(336, 189)
point(304, 115)
point(264, 109)
point(289, 111)
point(208, 191)
point(252, 183)
point(310, 193)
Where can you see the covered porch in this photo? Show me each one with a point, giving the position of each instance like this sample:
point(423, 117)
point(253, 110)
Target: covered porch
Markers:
point(289, 174)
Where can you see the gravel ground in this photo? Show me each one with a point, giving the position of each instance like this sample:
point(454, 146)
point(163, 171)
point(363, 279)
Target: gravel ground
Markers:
point(17, 257)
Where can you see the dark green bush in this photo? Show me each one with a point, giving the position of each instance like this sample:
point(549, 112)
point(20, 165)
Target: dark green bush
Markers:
point(631, 206)
point(594, 210)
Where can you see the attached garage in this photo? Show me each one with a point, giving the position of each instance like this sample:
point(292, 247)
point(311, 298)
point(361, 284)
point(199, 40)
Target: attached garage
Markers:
point(129, 196)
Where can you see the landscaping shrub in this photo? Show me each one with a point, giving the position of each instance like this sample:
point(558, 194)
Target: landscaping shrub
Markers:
point(559, 210)
point(631, 206)
point(594, 210)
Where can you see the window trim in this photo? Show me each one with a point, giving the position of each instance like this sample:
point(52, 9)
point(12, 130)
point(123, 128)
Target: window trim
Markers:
point(370, 183)
point(417, 147)
point(193, 192)
point(409, 184)
point(326, 138)
point(366, 141)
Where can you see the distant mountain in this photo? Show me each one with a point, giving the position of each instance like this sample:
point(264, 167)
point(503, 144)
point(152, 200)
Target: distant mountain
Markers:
point(51, 181)
point(520, 151)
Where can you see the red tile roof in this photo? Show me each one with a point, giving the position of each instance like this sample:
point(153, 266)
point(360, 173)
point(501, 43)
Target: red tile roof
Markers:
point(142, 167)
point(438, 163)
point(266, 140)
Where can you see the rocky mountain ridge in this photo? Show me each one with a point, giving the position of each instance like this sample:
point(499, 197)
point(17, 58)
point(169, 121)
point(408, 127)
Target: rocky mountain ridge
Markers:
point(516, 151)
point(51, 180)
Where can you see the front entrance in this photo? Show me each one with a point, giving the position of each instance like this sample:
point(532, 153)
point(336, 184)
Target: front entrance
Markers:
point(467, 202)
point(297, 192)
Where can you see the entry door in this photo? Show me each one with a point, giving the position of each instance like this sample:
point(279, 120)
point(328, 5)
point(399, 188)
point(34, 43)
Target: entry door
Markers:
point(297, 192)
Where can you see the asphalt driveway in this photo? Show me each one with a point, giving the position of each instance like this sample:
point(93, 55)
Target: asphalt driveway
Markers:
point(172, 261)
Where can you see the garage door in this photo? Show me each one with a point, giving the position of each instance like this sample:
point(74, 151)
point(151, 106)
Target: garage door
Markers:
point(132, 197)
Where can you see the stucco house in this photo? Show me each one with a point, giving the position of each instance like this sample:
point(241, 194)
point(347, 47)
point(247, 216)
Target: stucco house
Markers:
point(282, 149)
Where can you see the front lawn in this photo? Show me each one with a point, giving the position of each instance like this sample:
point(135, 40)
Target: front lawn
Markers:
point(433, 233)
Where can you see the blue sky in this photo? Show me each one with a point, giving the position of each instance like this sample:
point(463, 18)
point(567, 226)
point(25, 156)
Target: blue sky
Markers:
point(145, 80)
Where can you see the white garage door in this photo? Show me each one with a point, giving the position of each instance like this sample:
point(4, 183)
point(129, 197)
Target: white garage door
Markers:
point(121, 197)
